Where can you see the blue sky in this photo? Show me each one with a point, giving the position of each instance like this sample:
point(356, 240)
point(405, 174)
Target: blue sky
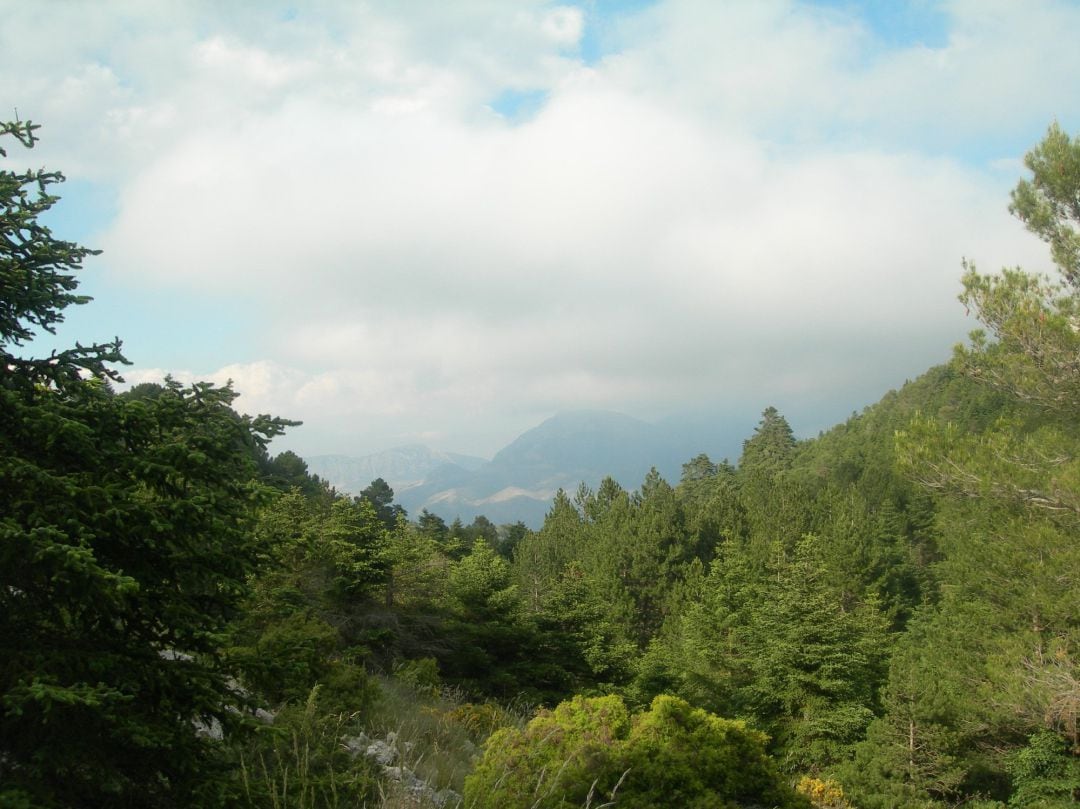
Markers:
point(442, 223)
point(897, 24)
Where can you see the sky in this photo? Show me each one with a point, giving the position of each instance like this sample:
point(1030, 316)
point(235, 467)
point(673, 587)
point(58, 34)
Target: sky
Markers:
point(442, 223)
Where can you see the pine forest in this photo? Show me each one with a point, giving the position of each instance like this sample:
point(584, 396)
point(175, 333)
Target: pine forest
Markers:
point(884, 616)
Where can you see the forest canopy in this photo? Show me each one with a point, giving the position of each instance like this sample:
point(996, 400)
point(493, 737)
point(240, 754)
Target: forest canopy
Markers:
point(884, 616)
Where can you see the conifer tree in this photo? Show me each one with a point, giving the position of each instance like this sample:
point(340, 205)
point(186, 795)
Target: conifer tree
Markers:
point(124, 547)
point(772, 446)
point(1011, 501)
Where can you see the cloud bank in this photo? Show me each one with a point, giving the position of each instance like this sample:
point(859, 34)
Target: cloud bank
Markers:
point(734, 205)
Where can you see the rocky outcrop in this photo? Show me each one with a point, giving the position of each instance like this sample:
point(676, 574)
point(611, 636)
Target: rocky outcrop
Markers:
point(387, 754)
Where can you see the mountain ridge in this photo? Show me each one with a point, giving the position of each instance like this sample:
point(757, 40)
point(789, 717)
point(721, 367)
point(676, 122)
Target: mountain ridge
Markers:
point(402, 467)
point(519, 482)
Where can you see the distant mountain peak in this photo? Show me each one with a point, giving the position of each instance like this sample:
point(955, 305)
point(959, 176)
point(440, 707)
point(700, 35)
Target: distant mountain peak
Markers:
point(569, 448)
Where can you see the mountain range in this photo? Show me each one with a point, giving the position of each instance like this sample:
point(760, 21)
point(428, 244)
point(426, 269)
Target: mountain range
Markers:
point(519, 482)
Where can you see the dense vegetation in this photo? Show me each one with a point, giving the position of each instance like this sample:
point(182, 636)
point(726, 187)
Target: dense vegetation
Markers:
point(884, 616)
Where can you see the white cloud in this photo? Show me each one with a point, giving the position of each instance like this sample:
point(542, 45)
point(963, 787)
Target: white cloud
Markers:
point(563, 25)
point(753, 201)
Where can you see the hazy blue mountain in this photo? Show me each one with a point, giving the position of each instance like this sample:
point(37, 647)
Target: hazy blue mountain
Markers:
point(521, 480)
point(586, 445)
point(401, 467)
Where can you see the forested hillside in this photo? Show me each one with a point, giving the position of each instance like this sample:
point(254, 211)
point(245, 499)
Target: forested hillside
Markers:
point(887, 615)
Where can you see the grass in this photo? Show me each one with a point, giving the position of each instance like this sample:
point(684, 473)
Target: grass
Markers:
point(436, 731)
point(301, 761)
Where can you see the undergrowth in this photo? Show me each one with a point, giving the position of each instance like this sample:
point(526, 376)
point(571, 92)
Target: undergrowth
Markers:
point(436, 731)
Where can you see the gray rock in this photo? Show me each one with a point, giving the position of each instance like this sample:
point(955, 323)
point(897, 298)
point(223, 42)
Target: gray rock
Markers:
point(381, 752)
point(446, 799)
point(384, 752)
point(356, 745)
point(211, 729)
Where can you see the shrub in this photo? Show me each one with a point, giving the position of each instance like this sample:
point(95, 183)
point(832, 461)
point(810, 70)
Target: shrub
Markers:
point(422, 674)
point(590, 750)
point(823, 794)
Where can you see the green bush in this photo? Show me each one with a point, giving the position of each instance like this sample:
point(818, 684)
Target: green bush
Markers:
point(591, 750)
point(1046, 773)
point(286, 658)
point(348, 689)
point(422, 674)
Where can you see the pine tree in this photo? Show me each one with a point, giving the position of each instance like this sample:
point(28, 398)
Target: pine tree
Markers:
point(125, 545)
point(1011, 495)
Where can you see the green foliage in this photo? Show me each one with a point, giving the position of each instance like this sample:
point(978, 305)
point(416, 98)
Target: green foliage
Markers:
point(993, 663)
point(593, 749)
point(554, 760)
point(422, 674)
point(435, 732)
point(869, 550)
point(684, 756)
point(283, 472)
point(570, 576)
point(125, 545)
point(816, 663)
point(432, 525)
point(288, 657)
point(772, 447)
point(510, 536)
point(299, 762)
point(579, 632)
point(325, 563)
point(1034, 320)
point(417, 566)
point(711, 503)
point(539, 561)
point(633, 551)
point(1045, 773)
point(652, 556)
point(775, 502)
point(482, 528)
point(380, 497)
point(352, 541)
point(784, 649)
point(492, 646)
point(1047, 203)
point(912, 754)
point(37, 274)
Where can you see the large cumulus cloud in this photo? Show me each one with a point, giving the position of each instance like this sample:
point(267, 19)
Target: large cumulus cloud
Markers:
point(739, 204)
